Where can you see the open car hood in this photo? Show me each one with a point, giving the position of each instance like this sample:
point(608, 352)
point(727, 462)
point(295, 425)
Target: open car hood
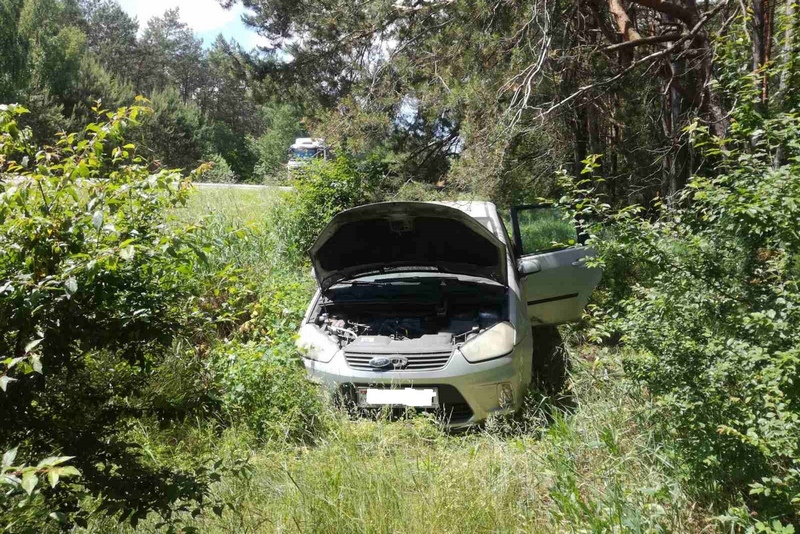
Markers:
point(398, 236)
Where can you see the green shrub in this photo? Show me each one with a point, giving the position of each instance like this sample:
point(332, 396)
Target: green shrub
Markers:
point(282, 124)
point(323, 189)
point(257, 300)
point(712, 302)
point(713, 315)
point(419, 191)
point(22, 491)
point(219, 172)
point(95, 287)
point(267, 389)
point(544, 229)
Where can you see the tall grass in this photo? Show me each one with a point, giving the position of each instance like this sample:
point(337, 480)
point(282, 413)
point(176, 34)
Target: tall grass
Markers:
point(244, 225)
point(598, 469)
point(544, 229)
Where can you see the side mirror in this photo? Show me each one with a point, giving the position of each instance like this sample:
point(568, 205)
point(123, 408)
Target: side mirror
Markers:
point(528, 266)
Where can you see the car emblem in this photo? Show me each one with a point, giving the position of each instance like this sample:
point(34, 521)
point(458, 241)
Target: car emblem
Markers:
point(381, 363)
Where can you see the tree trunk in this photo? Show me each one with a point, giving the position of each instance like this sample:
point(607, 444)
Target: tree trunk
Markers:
point(763, 15)
point(783, 84)
point(625, 29)
point(580, 128)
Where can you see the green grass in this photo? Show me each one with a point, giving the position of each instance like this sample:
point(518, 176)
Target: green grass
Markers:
point(247, 231)
point(596, 468)
point(243, 207)
point(544, 229)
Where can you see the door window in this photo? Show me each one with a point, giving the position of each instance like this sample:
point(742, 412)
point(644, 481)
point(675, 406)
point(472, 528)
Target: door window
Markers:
point(541, 228)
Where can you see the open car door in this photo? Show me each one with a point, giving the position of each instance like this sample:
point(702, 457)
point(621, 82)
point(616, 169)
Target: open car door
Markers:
point(551, 262)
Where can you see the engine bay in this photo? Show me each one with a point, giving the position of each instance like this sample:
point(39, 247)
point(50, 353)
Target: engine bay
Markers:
point(429, 309)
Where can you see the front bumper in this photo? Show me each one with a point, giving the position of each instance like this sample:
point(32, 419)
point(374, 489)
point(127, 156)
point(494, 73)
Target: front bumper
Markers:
point(469, 392)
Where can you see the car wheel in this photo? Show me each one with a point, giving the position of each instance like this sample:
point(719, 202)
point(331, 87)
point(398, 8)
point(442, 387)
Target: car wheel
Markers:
point(550, 360)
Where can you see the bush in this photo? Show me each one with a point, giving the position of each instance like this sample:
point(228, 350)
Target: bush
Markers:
point(257, 300)
point(175, 133)
point(419, 191)
point(267, 389)
point(323, 189)
point(94, 286)
point(219, 171)
point(281, 126)
point(713, 315)
point(22, 491)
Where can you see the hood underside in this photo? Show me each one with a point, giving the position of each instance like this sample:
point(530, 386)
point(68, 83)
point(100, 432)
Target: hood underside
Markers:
point(395, 236)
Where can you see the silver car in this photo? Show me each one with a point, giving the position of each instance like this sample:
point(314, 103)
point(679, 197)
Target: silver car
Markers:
point(431, 306)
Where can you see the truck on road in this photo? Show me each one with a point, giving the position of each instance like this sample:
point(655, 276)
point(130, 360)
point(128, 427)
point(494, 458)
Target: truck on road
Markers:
point(304, 150)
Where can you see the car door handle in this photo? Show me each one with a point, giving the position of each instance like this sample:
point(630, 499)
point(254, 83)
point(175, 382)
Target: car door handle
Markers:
point(529, 266)
point(579, 263)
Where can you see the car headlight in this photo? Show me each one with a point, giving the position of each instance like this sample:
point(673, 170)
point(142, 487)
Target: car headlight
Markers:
point(492, 343)
point(314, 344)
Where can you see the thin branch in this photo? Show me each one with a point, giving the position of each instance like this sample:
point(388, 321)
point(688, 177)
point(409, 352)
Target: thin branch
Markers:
point(644, 41)
point(655, 55)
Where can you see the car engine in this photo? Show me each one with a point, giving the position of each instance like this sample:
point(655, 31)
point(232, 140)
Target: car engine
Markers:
point(451, 311)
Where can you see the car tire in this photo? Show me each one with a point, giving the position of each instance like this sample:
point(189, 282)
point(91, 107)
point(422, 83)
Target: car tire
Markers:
point(550, 366)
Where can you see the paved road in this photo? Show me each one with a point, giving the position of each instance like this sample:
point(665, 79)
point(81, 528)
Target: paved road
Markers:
point(204, 185)
point(201, 185)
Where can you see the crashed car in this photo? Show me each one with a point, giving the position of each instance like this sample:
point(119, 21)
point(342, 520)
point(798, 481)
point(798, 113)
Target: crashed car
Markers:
point(431, 306)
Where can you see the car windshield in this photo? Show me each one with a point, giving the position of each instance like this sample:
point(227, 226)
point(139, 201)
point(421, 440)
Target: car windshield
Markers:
point(412, 275)
point(304, 153)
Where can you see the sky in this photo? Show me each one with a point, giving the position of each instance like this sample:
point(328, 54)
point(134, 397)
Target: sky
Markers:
point(206, 17)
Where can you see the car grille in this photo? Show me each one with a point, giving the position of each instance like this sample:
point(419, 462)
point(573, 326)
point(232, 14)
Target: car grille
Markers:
point(429, 361)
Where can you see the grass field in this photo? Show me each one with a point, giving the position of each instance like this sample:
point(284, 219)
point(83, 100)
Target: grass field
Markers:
point(597, 467)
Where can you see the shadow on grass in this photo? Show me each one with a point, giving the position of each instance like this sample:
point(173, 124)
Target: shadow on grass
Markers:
point(537, 413)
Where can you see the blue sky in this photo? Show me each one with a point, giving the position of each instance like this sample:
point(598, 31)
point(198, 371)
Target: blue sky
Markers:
point(206, 17)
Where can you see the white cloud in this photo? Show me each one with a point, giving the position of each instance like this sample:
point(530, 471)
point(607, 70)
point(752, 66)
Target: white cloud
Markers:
point(201, 15)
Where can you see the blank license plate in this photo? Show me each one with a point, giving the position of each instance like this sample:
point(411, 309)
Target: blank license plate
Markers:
point(413, 397)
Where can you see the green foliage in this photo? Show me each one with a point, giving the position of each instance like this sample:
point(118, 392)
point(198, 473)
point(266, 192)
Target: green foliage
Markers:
point(597, 470)
point(22, 491)
point(282, 126)
point(172, 54)
point(54, 46)
point(712, 313)
point(257, 301)
point(323, 189)
point(61, 56)
point(417, 191)
point(257, 293)
point(174, 133)
point(267, 389)
point(219, 172)
point(544, 229)
point(232, 145)
point(96, 83)
point(13, 70)
point(93, 289)
point(111, 37)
